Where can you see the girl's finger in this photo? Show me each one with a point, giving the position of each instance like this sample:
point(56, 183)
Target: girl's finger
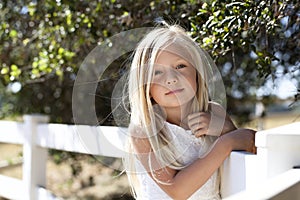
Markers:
point(201, 118)
point(196, 126)
point(193, 116)
point(200, 132)
point(197, 116)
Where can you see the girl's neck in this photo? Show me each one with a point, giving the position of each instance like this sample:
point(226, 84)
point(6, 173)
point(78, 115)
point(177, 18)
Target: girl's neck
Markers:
point(179, 115)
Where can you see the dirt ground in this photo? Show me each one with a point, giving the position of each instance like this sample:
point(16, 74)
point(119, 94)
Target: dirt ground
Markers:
point(94, 181)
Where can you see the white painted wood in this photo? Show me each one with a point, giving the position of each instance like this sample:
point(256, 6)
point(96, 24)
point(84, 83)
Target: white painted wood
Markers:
point(238, 172)
point(11, 188)
point(34, 158)
point(104, 140)
point(11, 132)
point(287, 131)
point(278, 151)
point(272, 187)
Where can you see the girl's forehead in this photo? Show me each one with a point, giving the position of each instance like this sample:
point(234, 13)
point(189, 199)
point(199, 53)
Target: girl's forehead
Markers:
point(174, 51)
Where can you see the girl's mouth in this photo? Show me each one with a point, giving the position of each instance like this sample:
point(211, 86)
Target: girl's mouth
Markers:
point(174, 91)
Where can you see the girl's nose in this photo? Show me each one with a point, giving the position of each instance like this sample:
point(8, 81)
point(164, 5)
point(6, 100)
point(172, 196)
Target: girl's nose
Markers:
point(171, 78)
point(169, 82)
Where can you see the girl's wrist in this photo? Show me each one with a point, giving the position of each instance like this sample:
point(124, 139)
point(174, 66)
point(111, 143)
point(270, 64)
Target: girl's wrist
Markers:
point(228, 125)
point(227, 142)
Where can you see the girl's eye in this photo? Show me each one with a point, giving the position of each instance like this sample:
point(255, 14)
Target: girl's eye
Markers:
point(156, 72)
point(180, 66)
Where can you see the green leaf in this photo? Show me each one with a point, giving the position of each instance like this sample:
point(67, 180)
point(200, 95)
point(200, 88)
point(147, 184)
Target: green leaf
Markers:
point(105, 33)
point(25, 42)
point(207, 40)
point(14, 67)
point(15, 71)
point(31, 8)
point(61, 51)
point(43, 67)
point(35, 72)
point(69, 54)
point(86, 20)
point(35, 64)
point(69, 18)
point(202, 11)
point(13, 33)
point(59, 72)
point(4, 70)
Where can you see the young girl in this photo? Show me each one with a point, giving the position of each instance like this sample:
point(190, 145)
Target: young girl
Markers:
point(177, 134)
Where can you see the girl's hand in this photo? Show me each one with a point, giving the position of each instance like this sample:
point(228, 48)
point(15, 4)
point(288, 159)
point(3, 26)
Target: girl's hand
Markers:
point(199, 123)
point(206, 123)
point(241, 139)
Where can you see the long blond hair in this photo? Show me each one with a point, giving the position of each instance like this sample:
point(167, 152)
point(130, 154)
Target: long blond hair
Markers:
point(144, 113)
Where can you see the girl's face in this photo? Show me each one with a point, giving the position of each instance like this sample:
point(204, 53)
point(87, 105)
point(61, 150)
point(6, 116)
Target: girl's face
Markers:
point(174, 80)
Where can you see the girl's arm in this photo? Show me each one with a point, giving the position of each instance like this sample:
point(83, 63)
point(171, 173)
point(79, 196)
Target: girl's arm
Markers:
point(216, 122)
point(183, 183)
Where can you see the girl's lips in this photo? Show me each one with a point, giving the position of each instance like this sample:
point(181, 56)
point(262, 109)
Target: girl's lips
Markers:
point(174, 91)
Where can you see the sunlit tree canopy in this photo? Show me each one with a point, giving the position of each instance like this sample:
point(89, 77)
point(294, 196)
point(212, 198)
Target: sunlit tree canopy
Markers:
point(44, 42)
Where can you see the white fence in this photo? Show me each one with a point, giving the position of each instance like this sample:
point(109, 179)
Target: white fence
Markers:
point(272, 172)
point(278, 153)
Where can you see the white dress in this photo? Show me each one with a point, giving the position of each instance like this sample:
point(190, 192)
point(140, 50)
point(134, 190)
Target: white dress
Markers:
point(191, 148)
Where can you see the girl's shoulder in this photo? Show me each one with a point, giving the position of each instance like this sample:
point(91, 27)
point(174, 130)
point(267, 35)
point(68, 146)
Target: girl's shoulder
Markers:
point(135, 130)
point(138, 139)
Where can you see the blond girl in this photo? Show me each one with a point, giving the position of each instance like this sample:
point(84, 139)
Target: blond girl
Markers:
point(177, 132)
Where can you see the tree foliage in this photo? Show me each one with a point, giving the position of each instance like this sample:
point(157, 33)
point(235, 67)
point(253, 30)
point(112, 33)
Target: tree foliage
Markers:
point(251, 41)
point(44, 42)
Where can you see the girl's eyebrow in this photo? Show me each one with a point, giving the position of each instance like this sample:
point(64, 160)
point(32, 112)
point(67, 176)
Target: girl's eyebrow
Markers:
point(181, 60)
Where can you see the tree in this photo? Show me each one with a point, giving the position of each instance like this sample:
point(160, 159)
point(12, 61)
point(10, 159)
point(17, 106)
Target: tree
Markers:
point(251, 41)
point(44, 42)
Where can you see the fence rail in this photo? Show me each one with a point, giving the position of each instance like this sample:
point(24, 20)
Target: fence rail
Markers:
point(241, 171)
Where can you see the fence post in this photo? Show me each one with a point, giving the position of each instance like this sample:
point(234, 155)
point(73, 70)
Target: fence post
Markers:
point(34, 157)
